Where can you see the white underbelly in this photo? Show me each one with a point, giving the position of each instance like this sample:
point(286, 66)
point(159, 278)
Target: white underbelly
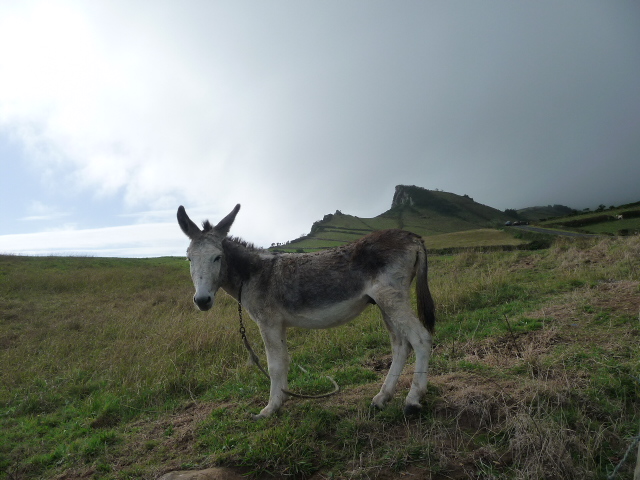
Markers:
point(328, 316)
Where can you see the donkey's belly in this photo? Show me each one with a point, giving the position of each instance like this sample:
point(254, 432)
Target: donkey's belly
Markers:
point(328, 316)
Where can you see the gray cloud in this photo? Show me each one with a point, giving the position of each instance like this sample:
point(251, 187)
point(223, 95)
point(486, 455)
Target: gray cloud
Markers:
point(296, 109)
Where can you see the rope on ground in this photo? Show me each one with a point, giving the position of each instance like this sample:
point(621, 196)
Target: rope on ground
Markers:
point(635, 442)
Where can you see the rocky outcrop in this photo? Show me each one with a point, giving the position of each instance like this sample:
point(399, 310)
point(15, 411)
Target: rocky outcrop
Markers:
point(402, 196)
point(208, 474)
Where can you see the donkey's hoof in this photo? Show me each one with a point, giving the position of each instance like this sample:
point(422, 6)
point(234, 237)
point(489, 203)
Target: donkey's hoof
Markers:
point(379, 401)
point(260, 416)
point(412, 409)
point(266, 412)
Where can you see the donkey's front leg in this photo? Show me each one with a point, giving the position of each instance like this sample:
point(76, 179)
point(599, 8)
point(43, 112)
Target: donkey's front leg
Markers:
point(275, 343)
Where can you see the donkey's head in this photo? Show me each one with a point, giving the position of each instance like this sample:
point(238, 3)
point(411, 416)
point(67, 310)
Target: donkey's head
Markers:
point(205, 255)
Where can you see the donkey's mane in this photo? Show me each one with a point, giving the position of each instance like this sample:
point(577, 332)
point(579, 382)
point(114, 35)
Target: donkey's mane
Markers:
point(242, 257)
point(245, 244)
point(206, 226)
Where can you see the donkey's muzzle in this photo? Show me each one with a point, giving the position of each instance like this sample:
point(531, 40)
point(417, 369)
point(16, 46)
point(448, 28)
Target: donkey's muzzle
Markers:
point(204, 302)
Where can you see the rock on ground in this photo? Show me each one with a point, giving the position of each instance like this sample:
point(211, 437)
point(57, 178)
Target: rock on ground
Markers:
point(208, 474)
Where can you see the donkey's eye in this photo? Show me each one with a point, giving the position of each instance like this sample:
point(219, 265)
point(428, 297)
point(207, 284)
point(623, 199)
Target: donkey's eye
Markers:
point(217, 259)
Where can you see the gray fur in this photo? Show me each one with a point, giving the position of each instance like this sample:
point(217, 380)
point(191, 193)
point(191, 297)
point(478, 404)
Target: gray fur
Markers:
point(320, 290)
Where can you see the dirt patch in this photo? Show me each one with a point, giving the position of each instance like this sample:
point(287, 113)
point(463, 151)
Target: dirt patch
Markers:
point(509, 349)
point(473, 401)
point(623, 297)
point(170, 438)
point(177, 432)
point(529, 263)
point(379, 364)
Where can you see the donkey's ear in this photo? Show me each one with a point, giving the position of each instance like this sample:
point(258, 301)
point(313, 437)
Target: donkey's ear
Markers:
point(225, 224)
point(189, 228)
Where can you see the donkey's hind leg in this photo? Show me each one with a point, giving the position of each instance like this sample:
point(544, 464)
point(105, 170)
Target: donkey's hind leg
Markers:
point(400, 349)
point(421, 341)
point(406, 332)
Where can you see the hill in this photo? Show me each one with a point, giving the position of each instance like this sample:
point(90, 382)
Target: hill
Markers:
point(535, 214)
point(422, 211)
point(622, 220)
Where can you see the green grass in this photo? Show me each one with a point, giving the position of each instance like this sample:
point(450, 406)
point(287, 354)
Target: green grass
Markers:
point(608, 227)
point(476, 238)
point(615, 226)
point(110, 372)
point(482, 237)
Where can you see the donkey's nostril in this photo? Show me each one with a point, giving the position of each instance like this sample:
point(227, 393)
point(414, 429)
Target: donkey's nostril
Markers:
point(203, 303)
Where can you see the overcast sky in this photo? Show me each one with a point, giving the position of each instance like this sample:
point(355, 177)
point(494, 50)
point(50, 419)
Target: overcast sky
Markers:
point(114, 113)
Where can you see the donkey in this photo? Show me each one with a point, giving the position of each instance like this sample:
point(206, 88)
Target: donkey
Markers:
point(320, 290)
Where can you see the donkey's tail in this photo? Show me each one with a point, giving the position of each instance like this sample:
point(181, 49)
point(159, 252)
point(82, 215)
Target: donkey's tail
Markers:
point(426, 308)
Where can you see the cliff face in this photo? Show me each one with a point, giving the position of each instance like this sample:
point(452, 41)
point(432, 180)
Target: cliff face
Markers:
point(402, 196)
point(447, 204)
point(412, 196)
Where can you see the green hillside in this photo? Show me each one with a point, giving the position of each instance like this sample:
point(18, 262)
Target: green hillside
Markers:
point(448, 220)
point(416, 209)
point(622, 220)
point(535, 214)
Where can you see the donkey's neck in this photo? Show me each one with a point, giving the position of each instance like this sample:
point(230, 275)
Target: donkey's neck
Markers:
point(242, 262)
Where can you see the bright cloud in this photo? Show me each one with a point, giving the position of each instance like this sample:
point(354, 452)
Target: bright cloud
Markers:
point(142, 240)
point(120, 114)
point(38, 211)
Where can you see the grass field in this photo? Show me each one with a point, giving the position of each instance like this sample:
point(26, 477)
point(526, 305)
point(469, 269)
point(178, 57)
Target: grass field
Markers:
point(108, 371)
point(484, 237)
point(631, 225)
point(481, 237)
point(609, 227)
